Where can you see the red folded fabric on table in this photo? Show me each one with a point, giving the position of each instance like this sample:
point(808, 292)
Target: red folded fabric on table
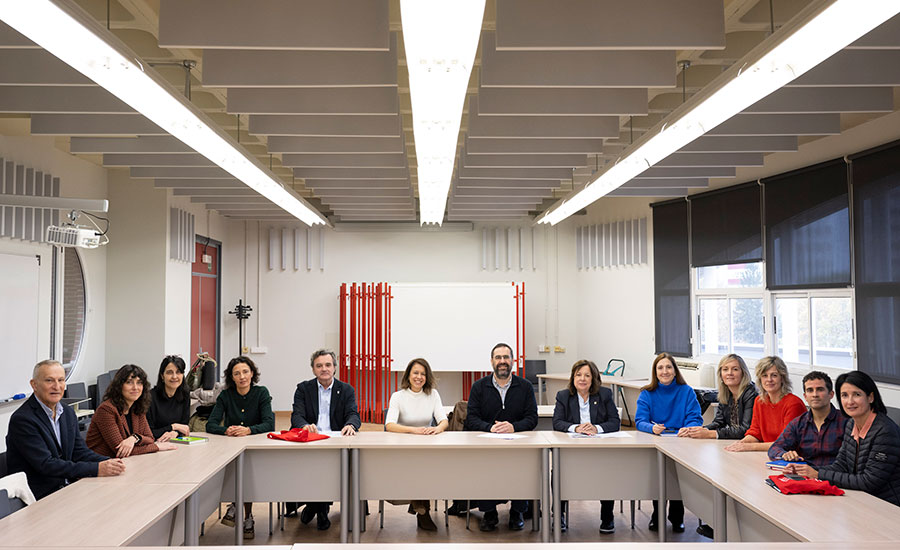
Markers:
point(805, 486)
point(297, 434)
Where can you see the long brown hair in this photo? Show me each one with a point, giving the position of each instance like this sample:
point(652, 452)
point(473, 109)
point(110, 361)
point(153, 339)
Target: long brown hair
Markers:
point(114, 391)
point(429, 375)
point(595, 376)
point(654, 380)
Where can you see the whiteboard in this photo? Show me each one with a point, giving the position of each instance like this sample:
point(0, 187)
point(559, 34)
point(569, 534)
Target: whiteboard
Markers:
point(19, 306)
point(452, 325)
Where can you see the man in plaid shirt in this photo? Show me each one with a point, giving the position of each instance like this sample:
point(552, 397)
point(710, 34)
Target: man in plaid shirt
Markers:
point(815, 436)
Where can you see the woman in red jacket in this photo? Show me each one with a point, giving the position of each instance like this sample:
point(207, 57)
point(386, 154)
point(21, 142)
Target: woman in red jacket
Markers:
point(773, 409)
point(119, 427)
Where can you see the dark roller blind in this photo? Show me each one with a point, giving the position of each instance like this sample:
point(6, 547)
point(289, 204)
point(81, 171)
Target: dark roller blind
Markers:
point(726, 226)
point(671, 278)
point(876, 229)
point(807, 217)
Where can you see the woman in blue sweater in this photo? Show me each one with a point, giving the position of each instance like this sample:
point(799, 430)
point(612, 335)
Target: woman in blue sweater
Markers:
point(666, 405)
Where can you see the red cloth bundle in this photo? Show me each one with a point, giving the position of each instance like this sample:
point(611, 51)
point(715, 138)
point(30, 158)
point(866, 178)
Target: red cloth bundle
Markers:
point(297, 435)
point(805, 486)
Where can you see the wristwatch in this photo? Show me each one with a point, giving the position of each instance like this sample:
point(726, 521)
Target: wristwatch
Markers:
point(137, 438)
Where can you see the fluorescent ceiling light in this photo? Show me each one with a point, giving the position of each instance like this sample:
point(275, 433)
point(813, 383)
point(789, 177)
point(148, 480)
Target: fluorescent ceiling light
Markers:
point(71, 36)
point(441, 37)
point(814, 36)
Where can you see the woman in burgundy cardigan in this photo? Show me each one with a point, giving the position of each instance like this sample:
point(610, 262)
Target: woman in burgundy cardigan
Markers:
point(119, 427)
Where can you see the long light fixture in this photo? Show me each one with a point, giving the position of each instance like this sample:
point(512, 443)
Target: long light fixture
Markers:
point(75, 38)
point(440, 37)
point(809, 39)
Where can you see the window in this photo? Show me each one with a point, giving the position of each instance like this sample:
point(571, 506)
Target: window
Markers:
point(815, 329)
point(74, 307)
point(730, 310)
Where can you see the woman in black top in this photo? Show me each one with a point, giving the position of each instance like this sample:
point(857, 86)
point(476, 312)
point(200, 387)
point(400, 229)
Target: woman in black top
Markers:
point(736, 396)
point(170, 404)
point(869, 459)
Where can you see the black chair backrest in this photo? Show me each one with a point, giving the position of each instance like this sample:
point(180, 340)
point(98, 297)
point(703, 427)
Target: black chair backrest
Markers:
point(894, 414)
point(3, 471)
point(9, 505)
point(103, 382)
point(534, 367)
point(76, 389)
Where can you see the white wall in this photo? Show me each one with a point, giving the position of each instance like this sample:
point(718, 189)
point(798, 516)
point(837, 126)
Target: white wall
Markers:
point(78, 179)
point(296, 312)
point(136, 270)
point(615, 304)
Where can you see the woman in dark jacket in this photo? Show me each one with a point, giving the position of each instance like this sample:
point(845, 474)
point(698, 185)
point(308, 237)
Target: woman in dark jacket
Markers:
point(736, 396)
point(170, 402)
point(586, 407)
point(869, 459)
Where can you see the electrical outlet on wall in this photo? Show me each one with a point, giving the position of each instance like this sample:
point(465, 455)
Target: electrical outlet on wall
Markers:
point(559, 349)
point(259, 349)
point(245, 350)
point(543, 349)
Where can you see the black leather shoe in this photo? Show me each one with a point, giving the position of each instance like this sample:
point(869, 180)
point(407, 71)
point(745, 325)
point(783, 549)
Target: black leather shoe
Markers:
point(516, 521)
point(563, 522)
point(607, 527)
point(290, 509)
point(706, 531)
point(678, 527)
point(489, 521)
point(322, 521)
point(307, 514)
point(458, 508)
point(652, 526)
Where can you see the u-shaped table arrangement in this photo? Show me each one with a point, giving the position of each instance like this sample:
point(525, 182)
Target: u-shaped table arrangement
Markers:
point(162, 498)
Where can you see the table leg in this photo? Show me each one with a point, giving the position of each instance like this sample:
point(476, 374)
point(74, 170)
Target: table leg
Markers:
point(345, 501)
point(191, 520)
point(720, 516)
point(557, 501)
point(661, 509)
point(540, 392)
point(239, 500)
point(357, 509)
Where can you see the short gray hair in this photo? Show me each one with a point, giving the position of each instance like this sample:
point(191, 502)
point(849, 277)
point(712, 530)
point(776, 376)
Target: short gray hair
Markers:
point(319, 353)
point(44, 363)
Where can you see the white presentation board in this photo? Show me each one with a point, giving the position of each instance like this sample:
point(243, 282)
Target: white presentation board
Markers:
point(452, 325)
point(19, 305)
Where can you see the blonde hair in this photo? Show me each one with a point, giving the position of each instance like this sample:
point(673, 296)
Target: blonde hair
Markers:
point(724, 392)
point(765, 364)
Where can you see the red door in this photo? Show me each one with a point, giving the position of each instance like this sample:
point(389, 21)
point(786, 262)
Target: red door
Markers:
point(205, 301)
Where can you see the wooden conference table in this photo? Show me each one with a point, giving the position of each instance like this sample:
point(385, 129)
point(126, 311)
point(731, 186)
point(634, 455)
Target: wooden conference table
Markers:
point(162, 498)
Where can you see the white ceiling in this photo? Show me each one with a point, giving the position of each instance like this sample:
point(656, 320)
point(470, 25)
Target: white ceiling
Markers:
point(318, 91)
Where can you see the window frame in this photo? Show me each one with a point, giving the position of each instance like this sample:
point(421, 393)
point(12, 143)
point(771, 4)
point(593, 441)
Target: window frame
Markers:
point(770, 343)
point(72, 365)
point(809, 295)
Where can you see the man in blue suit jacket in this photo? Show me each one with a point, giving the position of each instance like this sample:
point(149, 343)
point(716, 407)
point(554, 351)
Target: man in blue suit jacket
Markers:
point(323, 404)
point(43, 439)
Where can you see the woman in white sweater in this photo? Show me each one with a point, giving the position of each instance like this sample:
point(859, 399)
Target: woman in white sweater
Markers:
point(417, 409)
